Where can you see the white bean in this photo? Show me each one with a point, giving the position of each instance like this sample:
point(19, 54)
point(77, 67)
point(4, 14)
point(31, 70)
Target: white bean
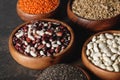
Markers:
point(109, 54)
point(114, 57)
point(116, 68)
point(33, 54)
point(105, 50)
point(95, 58)
point(114, 50)
point(102, 66)
point(102, 37)
point(94, 39)
point(42, 53)
point(108, 63)
point(88, 52)
point(90, 45)
point(109, 42)
point(95, 48)
point(102, 45)
point(109, 68)
point(97, 63)
point(90, 58)
point(109, 36)
point(115, 45)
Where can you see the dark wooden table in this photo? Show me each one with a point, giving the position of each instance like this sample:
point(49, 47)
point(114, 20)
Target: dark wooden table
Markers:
point(9, 69)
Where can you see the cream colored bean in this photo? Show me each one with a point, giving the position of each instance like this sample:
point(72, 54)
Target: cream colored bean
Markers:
point(102, 66)
point(95, 58)
point(108, 63)
point(90, 58)
point(102, 37)
point(102, 45)
point(109, 68)
point(90, 45)
point(109, 36)
point(114, 57)
point(114, 50)
point(88, 52)
point(105, 50)
point(97, 63)
point(116, 68)
point(94, 39)
point(109, 42)
point(109, 54)
point(95, 48)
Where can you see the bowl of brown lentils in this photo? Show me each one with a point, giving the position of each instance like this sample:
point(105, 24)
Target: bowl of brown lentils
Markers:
point(39, 44)
point(94, 15)
point(101, 54)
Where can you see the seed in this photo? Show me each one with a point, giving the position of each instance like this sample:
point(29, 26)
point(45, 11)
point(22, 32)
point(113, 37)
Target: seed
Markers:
point(62, 72)
point(96, 9)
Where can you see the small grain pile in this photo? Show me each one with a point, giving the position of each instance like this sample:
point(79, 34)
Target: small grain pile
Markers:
point(62, 72)
point(96, 9)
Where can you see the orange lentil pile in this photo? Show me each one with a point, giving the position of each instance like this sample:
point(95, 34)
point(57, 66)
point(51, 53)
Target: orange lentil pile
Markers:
point(37, 6)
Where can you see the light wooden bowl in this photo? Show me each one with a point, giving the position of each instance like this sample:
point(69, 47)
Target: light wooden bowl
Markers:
point(103, 74)
point(28, 17)
point(39, 62)
point(92, 25)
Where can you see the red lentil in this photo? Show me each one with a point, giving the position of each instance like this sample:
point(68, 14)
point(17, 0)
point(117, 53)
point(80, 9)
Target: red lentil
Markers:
point(37, 6)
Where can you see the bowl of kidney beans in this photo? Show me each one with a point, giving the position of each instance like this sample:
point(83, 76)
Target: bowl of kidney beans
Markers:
point(39, 44)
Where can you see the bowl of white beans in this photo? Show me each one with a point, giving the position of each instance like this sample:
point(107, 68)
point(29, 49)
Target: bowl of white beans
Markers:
point(101, 54)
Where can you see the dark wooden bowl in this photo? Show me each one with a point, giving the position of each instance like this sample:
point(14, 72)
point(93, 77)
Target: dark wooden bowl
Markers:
point(103, 74)
point(28, 17)
point(93, 25)
point(84, 72)
point(39, 62)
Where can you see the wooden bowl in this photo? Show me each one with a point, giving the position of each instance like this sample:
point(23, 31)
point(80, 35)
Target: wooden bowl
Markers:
point(101, 73)
point(28, 17)
point(39, 62)
point(92, 25)
point(84, 72)
point(64, 72)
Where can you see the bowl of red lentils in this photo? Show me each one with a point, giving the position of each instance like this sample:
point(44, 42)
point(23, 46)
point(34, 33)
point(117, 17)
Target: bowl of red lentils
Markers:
point(94, 15)
point(36, 9)
point(39, 44)
point(101, 54)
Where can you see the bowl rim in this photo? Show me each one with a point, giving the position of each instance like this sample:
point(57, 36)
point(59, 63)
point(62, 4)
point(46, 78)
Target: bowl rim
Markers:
point(85, 56)
point(47, 19)
point(69, 6)
point(56, 7)
point(84, 72)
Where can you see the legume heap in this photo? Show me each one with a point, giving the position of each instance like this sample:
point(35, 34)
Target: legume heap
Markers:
point(104, 51)
point(37, 6)
point(41, 38)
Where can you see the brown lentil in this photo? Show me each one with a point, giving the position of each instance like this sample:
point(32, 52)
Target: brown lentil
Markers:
point(96, 9)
